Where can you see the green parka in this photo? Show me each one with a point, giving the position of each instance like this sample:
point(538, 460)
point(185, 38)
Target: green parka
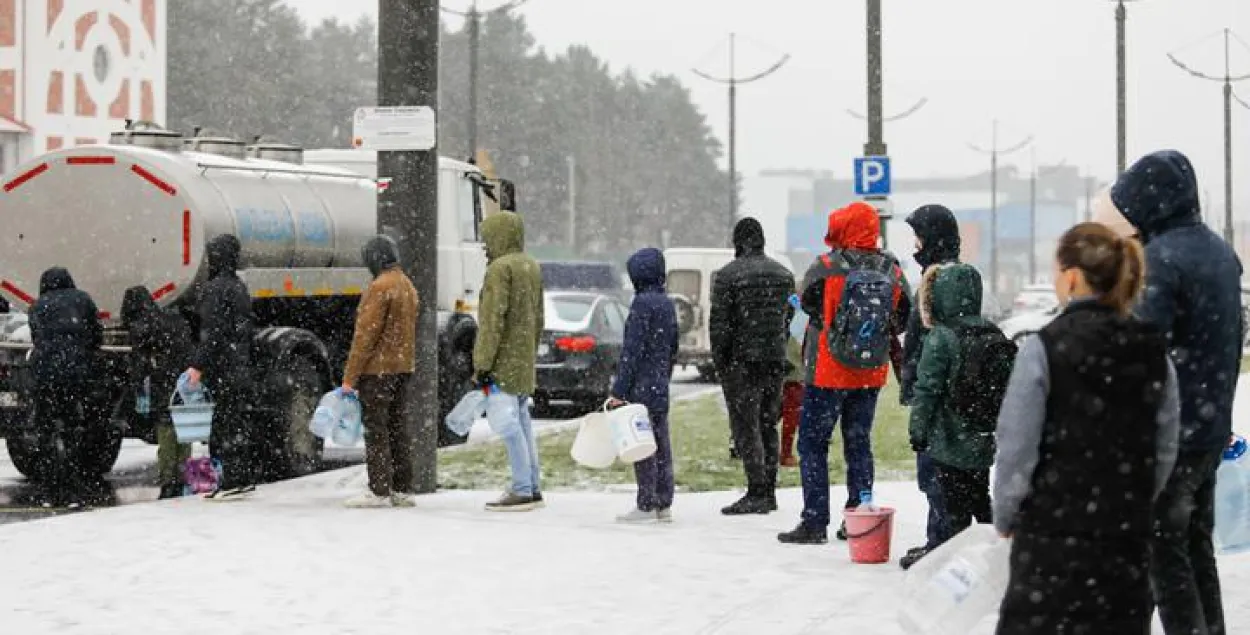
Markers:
point(510, 316)
point(950, 299)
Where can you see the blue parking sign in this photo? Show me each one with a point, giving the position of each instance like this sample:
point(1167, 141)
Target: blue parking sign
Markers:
point(872, 176)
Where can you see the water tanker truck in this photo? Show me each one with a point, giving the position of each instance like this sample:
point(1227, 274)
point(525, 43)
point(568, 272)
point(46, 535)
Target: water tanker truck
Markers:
point(140, 210)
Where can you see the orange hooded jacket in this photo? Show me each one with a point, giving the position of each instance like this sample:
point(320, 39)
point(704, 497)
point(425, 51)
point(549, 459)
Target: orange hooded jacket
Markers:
point(853, 234)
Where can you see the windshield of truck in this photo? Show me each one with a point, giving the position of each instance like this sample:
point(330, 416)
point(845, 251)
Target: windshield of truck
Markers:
point(686, 283)
point(467, 210)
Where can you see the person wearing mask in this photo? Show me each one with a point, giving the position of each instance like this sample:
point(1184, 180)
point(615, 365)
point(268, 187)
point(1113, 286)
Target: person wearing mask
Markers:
point(749, 325)
point(1193, 295)
point(857, 299)
point(937, 244)
point(642, 377)
point(379, 368)
point(1084, 449)
point(510, 324)
point(222, 363)
point(161, 347)
point(66, 332)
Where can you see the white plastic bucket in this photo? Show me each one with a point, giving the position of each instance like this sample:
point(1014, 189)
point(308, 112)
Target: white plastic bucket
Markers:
point(193, 423)
point(631, 432)
point(594, 446)
point(956, 586)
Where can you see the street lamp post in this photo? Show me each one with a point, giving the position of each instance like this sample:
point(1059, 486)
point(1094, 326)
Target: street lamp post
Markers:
point(995, 152)
point(1121, 86)
point(473, 24)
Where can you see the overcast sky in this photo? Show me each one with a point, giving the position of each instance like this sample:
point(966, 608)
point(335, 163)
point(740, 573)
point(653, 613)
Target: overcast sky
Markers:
point(1042, 67)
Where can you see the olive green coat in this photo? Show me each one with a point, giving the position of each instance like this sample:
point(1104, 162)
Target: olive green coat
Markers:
point(510, 316)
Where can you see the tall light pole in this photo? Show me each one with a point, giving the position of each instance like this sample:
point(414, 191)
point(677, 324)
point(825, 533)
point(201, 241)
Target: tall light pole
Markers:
point(995, 151)
point(903, 115)
point(1227, 79)
point(733, 81)
point(1121, 87)
point(408, 33)
point(473, 24)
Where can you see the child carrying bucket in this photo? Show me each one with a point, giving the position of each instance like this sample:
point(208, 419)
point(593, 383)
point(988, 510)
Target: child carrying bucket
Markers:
point(1087, 437)
point(642, 377)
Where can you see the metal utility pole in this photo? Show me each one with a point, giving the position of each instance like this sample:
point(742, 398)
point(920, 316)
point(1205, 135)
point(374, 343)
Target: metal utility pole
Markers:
point(994, 151)
point(473, 24)
point(408, 32)
point(733, 81)
point(1227, 79)
point(1033, 216)
point(1121, 87)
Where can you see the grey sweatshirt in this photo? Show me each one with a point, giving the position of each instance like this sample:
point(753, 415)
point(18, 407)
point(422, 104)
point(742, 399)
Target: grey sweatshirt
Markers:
point(1021, 422)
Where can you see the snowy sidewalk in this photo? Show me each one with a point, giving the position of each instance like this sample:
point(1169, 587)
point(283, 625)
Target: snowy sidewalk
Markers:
point(294, 561)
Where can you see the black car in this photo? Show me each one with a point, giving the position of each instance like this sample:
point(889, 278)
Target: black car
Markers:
point(580, 348)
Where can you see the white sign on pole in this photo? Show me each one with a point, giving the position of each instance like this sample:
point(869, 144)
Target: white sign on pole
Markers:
point(396, 128)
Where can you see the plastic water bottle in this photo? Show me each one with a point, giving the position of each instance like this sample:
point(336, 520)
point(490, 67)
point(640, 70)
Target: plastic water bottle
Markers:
point(470, 408)
point(326, 415)
point(865, 502)
point(1232, 499)
point(348, 429)
point(143, 400)
point(190, 393)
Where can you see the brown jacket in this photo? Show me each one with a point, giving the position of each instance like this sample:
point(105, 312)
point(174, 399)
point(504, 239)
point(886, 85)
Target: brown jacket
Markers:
point(385, 342)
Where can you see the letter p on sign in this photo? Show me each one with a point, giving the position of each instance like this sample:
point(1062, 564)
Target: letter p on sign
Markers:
point(872, 176)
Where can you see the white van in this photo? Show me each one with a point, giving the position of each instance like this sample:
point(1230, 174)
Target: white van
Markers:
point(691, 272)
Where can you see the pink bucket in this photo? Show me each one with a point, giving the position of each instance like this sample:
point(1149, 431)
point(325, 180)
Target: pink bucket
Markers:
point(868, 534)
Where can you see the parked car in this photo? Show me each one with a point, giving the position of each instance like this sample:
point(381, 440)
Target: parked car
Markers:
point(1035, 298)
point(603, 277)
point(580, 348)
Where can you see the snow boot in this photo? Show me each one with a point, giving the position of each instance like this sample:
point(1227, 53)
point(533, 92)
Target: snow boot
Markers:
point(750, 504)
point(912, 557)
point(803, 535)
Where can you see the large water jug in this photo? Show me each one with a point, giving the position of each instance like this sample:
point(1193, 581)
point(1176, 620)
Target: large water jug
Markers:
point(190, 393)
point(798, 325)
point(470, 408)
point(1232, 500)
point(332, 407)
point(348, 428)
point(955, 587)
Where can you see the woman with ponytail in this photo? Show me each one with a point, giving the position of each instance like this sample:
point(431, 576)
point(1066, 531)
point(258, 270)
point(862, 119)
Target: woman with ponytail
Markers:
point(1087, 437)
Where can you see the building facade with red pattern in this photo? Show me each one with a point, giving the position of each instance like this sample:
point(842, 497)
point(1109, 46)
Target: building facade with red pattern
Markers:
point(71, 72)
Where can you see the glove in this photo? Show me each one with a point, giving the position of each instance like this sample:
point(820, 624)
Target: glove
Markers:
point(483, 380)
point(919, 447)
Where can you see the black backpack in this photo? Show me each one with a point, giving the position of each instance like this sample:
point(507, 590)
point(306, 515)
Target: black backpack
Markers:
point(987, 358)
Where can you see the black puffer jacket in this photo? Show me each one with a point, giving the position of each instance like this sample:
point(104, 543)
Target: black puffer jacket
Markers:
point(750, 320)
point(225, 310)
point(66, 329)
point(938, 231)
point(162, 344)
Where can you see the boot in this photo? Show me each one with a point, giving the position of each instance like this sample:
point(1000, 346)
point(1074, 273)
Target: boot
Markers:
point(803, 535)
point(912, 557)
point(750, 504)
point(170, 491)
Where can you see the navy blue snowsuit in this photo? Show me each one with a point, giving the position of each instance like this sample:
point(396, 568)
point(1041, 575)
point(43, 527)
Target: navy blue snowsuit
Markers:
point(645, 369)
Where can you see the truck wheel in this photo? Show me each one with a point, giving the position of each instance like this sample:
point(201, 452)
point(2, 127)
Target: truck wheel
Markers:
point(453, 385)
point(102, 447)
point(292, 449)
point(25, 453)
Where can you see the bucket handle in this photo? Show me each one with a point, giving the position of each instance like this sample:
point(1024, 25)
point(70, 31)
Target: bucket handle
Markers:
point(605, 409)
point(880, 523)
point(175, 398)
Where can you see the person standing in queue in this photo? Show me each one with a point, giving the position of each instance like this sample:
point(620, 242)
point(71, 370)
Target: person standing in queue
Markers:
point(66, 331)
point(749, 326)
point(379, 369)
point(1192, 295)
point(223, 363)
point(161, 343)
point(1085, 448)
point(857, 299)
point(510, 325)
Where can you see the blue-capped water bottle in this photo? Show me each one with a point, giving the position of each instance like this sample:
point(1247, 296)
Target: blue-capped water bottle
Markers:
point(143, 400)
point(1236, 449)
point(1232, 499)
point(865, 502)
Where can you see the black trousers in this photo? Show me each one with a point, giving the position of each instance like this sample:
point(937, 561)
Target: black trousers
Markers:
point(388, 442)
point(965, 496)
point(61, 420)
point(753, 396)
point(235, 437)
point(1182, 565)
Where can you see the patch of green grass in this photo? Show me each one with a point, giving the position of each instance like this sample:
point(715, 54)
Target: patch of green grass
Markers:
point(700, 433)
point(1245, 364)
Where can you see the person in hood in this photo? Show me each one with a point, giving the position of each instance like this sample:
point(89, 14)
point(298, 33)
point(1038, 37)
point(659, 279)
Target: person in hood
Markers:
point(642, 377)
point(1084, 449)
point(161, 347)
point(959, 446)
point(937, 244)
point(223, 361)
point(66, 331)
point(510, 325)
point(379, 368)
point(857, 301)
point(749, 325)
point(1193, 294)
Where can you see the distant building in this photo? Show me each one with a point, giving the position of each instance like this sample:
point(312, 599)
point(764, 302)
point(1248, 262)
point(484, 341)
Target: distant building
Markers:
point(72, 70)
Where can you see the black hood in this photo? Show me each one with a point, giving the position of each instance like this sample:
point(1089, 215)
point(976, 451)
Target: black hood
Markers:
point(223, 256)
point(748, 237)
point(1160, 192)
point(938, 231)
point(380, 253)
point(137, 305)
point(55, 279)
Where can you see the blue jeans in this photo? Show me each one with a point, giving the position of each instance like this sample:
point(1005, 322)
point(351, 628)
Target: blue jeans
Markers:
point(822, 408)
point(522, 450)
